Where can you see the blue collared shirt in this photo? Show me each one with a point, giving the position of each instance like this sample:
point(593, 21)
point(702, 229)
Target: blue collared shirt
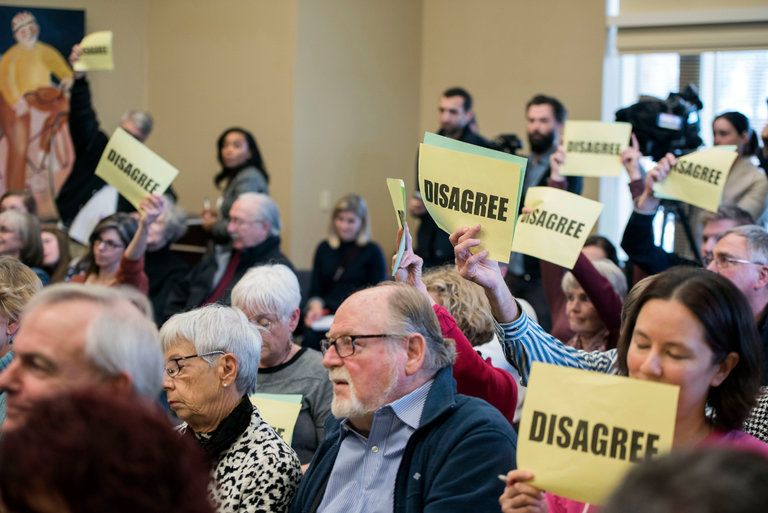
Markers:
point(363, 475)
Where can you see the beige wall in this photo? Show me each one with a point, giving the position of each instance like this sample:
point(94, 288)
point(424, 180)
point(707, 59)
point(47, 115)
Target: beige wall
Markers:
point(214, 65)
point(355, 124)
point(505, 52)
point(337, 93)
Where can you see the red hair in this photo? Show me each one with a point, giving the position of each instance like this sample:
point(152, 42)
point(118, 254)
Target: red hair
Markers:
point(93, 452)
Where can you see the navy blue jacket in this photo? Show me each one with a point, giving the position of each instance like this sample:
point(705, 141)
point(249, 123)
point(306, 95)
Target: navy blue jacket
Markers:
point(449, 465)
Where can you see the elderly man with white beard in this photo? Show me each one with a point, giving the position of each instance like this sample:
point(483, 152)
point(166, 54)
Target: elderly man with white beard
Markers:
point(400, 438)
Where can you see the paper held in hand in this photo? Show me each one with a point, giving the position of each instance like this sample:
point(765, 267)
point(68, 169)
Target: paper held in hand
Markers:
point(593, 148)
point(558, 227)
point(463, 185)
point(133, 169)
point(582, 431)
point(699, 178)
point(396, 188)
point(97, 52)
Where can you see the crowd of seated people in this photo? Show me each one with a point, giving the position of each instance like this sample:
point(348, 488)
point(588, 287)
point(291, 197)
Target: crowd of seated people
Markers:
point(402, 386)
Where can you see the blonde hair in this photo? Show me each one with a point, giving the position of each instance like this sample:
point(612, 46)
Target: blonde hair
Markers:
point(355, 204)
point(18, 283)
point(464, 300)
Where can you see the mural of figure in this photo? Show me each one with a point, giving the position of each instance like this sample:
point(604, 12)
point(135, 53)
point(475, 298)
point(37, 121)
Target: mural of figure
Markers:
point(33, 113)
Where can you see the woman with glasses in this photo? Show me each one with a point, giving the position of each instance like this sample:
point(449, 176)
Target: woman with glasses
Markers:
point(269, 296)
point(118, 243)
point(212, 358)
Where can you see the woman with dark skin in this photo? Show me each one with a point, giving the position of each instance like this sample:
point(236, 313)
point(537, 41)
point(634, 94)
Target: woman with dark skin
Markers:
point(242, 170)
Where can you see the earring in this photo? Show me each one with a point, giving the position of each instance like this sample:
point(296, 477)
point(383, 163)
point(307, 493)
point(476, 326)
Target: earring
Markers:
point(225, 385)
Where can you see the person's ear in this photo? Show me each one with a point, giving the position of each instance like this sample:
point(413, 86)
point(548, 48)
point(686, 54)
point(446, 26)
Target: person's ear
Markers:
point(724, 369)
point(293, 320)
point(121, 383)
point(416, 351)
point(762, 276)
point(227, 369)
point(12, 328)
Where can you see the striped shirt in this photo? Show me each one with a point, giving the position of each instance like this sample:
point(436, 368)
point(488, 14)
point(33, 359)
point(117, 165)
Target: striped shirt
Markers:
point(524, 342)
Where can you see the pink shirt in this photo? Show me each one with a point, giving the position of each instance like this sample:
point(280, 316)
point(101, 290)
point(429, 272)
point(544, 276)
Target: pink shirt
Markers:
point(736, 439)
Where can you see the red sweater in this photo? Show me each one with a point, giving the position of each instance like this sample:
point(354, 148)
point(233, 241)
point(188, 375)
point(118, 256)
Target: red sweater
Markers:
point(130, 272)
point(475, 376)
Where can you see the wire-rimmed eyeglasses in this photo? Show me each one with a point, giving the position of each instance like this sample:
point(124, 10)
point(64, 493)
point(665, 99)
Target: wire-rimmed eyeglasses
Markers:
point(172, 368)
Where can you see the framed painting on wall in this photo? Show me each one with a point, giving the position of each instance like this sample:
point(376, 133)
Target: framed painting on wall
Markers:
point(36, 150)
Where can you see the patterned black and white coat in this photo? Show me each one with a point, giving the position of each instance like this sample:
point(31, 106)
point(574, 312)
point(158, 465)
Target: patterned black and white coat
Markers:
point(259, 473)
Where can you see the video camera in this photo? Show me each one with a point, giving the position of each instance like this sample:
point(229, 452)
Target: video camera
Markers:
point(666, 126)
point(508, 143)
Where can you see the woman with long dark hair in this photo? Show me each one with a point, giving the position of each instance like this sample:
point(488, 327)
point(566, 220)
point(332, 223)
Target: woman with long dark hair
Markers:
point(242, 170)
point(746, 185)
point(118, 243)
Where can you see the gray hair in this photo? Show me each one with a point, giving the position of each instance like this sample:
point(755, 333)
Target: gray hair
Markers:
point(730, 212)
point(411, 312)
point(175, 219)
point(219, 328)
point(27, 228)
point(272, 289)
point(264, 208)
point(610, 272)
point(757, 241)
point(142, 120)
point(119, 339)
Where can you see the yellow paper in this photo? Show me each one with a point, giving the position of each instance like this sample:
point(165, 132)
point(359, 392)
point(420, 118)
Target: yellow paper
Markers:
point(558, 227)
point(279, 413)
point(397, 191)
point(698, 178)
point(583, 457)
point(97, 52)
point(461, 189)
point(593, 148)
point(133, 169)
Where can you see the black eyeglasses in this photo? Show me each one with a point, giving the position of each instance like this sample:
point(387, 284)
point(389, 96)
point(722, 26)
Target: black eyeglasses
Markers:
point(345, 345)
point(110, 244)
point(172, 368)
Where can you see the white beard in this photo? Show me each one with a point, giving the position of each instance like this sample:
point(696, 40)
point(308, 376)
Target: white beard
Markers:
point(352, 407)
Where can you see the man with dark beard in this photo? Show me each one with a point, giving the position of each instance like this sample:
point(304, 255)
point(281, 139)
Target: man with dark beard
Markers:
point(545, 117)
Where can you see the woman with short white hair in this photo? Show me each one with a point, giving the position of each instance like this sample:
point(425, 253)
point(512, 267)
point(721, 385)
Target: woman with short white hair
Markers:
point(270, 296)
point(211, 364)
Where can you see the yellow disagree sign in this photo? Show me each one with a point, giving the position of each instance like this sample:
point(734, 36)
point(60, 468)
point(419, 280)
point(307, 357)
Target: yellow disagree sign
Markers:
point(463, 185)
point(581, 431)
point(698, 178)
point(397, 191)
point(133, 169)
point(279, 411)
point(558, 226)
point(97, 52)
point(592, 148)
